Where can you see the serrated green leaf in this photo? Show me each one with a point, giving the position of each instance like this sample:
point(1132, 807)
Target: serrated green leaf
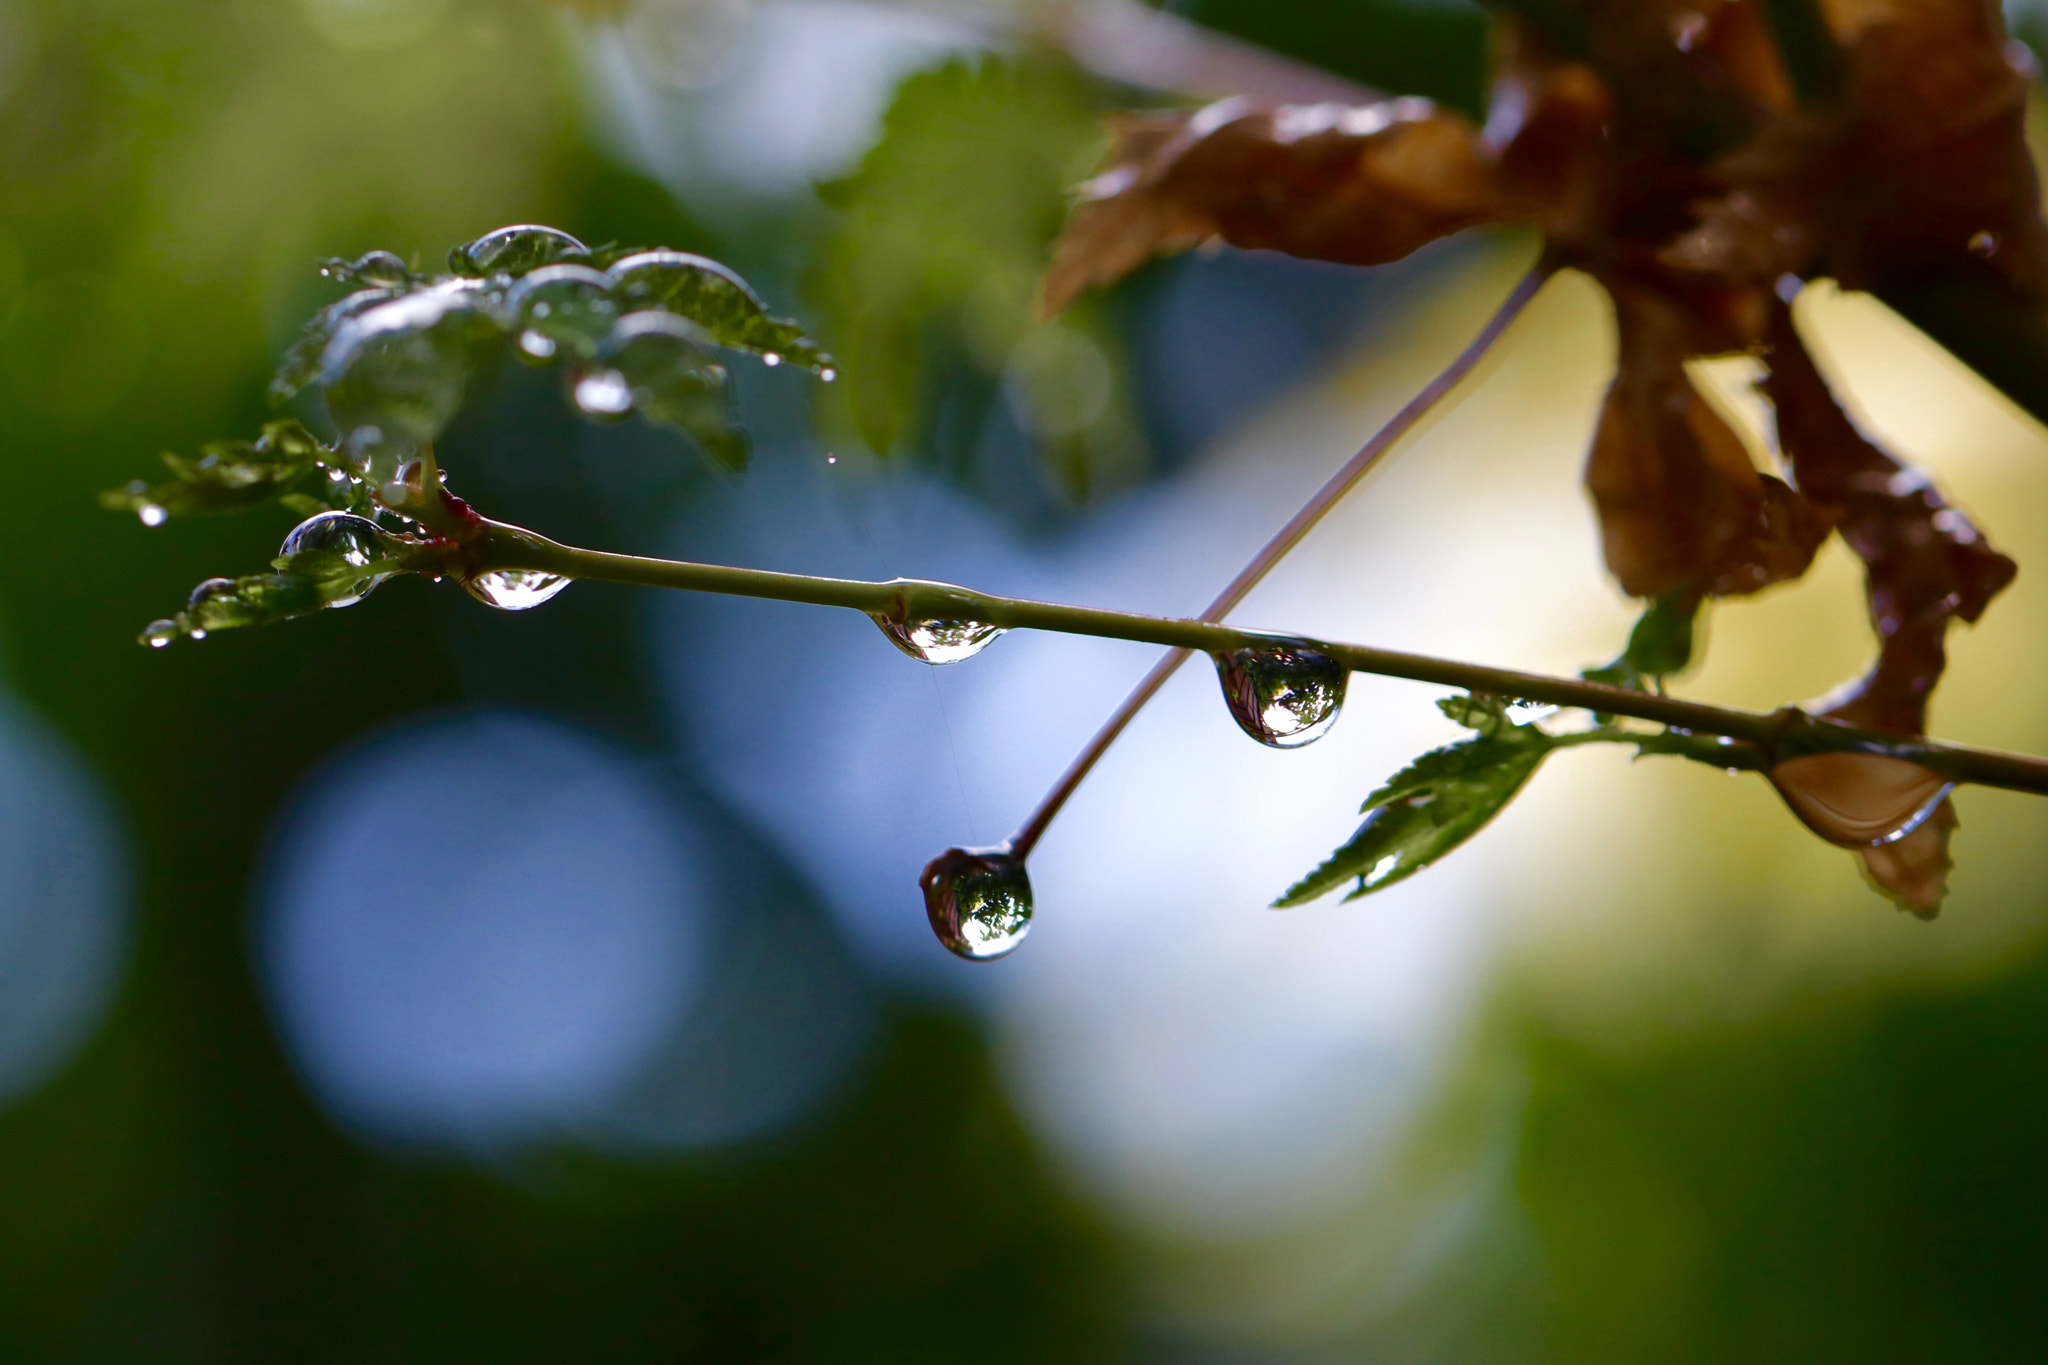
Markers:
point(286, 462)
point(1434, 804)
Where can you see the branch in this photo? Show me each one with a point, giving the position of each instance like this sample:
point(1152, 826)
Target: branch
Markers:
point(1759, 741)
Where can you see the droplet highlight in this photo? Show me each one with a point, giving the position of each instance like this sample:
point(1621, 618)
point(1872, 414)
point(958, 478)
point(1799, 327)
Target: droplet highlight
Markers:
point(158, 634)
point(515, 589)
point(603, 394)
point(978, 901)
point(514, 250)
point(938, 641)
point(1283, 695)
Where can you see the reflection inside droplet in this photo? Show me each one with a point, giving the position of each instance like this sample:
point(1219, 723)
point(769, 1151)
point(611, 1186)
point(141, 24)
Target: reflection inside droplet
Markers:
point(978, 900)
point(515, 589)
point(936, 641)
point(1285, 695)
point(603, 394)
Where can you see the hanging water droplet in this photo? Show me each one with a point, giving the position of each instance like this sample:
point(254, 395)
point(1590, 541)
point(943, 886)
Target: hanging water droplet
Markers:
point(978, 901)
point(603, 394)
point(151, 514)
point(158, 634)
point(1285, 695)
point(538, 345)
point(1859, 800)
point(828, 374)
point(515, 589)
point(514, 250)
point(937, 641)
point(667, 366)
point(352, 542)
point(770, 359)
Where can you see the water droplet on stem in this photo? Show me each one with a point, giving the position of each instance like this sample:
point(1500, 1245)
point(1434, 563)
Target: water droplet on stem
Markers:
point(1859, 800)
point(978, 901)
point(1285, 695)
point(515, 589)
point(938, 641)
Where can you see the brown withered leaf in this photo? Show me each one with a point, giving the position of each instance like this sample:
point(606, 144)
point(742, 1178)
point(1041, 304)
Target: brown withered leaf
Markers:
point(1912, 873)
point(1358, 185)
point(1667, 151)
point(1682, 507)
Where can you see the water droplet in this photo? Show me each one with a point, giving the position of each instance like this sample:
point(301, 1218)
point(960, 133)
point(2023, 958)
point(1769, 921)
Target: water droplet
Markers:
point(158, 634)
point(603, 394)
point(1984, 244)
point(514, 250)
point(539, 345)
point(1285, 695)
point(571, 305)
point(356, 542)
point(401, 368)
point(694, 285)
point(938, 641)
point(380, 268)
point(770, 359)
point(515, 589)
point(1859, 800)
point(150, 514)
point(978, 900)
point(828, 374)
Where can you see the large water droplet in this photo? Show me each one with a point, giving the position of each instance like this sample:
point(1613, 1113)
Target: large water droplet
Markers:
point(1859, 800)
point(400, 367)
point(570, 305)
point(978, 900)
point(356, 541)
point(514, 250)
point(515, 589)
point(694, 285)
point(1284, 695)
point(937, 641)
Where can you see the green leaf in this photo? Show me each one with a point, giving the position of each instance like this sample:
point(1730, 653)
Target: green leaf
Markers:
point(1661, 644)
point(1433, 805)
point(933, 268)
point(286, 463)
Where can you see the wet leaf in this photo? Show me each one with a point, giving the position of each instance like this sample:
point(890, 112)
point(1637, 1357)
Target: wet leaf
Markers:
point(286, 463)
point(1433, 805)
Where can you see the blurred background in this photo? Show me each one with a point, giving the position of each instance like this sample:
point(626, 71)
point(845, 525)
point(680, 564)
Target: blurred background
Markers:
point(419, 982)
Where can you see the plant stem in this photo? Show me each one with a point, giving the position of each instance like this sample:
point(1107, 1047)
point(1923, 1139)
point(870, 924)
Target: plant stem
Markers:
point(1328, 496)
point(1762, 740)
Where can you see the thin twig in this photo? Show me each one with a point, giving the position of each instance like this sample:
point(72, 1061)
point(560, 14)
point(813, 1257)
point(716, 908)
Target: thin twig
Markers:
point(1759, 740)
point(1289, 536)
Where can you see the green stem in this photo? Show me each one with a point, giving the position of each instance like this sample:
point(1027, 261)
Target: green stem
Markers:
point(1762, 740)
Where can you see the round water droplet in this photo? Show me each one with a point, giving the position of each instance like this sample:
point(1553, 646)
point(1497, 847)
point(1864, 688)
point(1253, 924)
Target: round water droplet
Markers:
point(150, 514)
point(514, 250)
point(828, 374)
point(380, 268)
point(157, 634)
point(571, 305)
point(603, 394)
point(536, 344)
point(770, 359)
point(693, 285)
point(1285, 695)
point(978, 900)
point(515, 589)
point(355, 542)
point(935, 641)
